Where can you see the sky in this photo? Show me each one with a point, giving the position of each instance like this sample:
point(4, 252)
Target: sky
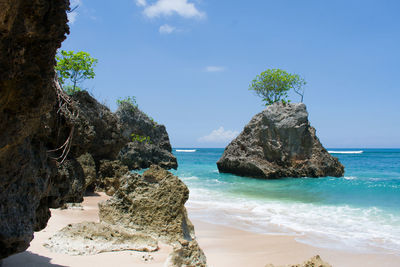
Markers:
point(189, 63)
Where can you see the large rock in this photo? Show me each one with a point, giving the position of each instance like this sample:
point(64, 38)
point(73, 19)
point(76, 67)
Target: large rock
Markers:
point(97, 130)
point(279, 142)
point(156, 150)
point(110, 175)
point(152, 203)
point(186, 253)
point(30, 34)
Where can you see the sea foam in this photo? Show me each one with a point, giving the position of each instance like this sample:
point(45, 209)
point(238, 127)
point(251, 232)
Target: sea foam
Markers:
point(342, 227)
point(186, 150)
point(346, 152)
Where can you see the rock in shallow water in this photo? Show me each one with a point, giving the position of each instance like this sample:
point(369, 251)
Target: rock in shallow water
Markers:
point(279, 142)
point(89, 238)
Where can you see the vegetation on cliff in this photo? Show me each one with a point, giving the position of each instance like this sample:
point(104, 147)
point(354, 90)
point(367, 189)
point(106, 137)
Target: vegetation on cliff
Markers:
point(273, 85)
point(73, 68)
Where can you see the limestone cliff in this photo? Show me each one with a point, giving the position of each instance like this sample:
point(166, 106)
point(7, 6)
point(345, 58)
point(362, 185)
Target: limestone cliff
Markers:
point(156, 150)
point(30, 34)
point(279, 142)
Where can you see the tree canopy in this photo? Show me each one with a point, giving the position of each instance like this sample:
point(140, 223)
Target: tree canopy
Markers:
point(273, 85)
point(73, 68)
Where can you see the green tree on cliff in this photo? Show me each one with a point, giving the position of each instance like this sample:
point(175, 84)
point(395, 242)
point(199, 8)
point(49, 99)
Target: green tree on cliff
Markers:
point(273, 85)
point(73, 68)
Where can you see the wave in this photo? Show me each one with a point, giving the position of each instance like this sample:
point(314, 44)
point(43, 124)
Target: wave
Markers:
point(346, 152)
point(332, 226)
point(185, 150)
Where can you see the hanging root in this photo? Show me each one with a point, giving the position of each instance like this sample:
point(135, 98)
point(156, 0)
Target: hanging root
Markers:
point(64, 107)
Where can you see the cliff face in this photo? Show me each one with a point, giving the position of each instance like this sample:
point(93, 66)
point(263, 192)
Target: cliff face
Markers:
point(30, 34)
point(279, 142)
point(136, 154)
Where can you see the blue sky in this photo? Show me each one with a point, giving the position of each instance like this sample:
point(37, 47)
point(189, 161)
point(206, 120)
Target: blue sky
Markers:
point(189, 63)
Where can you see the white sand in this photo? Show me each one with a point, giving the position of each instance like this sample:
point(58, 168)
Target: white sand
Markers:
point(223, 246)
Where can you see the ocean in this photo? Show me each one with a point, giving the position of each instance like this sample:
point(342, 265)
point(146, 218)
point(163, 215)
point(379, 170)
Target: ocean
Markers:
point(360, 211)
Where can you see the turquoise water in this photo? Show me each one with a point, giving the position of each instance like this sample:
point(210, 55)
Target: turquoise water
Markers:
point(360, 211)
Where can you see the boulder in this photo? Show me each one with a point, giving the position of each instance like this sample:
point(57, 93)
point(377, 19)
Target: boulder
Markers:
point(152, 203)
point(186, 253)
point(279, 142)
point(141, 154)
point(110, 174)
point(30, 34)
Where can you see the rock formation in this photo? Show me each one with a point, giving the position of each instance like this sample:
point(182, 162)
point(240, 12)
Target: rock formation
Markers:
point(152, 203)
point(30, 34)
point(91, 238)
point(315, 261)
point(279, 142)
point(144, 208)
point(187, 253)
point(141, 154)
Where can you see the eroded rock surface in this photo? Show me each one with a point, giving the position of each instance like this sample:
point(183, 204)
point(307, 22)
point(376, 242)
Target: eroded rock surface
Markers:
point(152, 203)
point(89, 238)
point(139, 155)
point(186, 253)
point(279, 142)
point(315, 261)
point(30, 34)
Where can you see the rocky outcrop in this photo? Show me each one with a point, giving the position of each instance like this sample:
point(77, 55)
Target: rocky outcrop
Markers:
point(144, 208)
point(30, 34)
point(141, 154)
point(97, 130)
point(89, 238)
point(186, 253)
point(279, 142)
point(110, 174)
point(90, 133)
point(315, 261)
point(152, 203)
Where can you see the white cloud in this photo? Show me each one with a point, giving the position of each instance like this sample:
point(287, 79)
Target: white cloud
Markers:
point(141, 3)
point(166, 29)
point(219, 136)
point(170, 7)
point(214, 68)
point(73, 15)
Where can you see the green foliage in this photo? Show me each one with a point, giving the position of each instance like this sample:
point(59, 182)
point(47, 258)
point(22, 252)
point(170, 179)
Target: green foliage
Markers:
point(140, 138)
point(273, 85)
point(153, 121)
point(73, 68)
point(129, 101)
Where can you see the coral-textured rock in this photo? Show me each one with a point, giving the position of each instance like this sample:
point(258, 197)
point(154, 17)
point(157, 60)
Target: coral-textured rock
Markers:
point(110, 174)
point(97, 129)
point(89, 238)
point(89, 170)
point(30, 34)
point(152, 203)
point(187, 253)
point(279, 142)
point(315, 261)
point(136, 154)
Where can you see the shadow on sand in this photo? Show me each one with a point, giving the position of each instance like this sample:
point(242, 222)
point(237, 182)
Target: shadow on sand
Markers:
point(28, 259)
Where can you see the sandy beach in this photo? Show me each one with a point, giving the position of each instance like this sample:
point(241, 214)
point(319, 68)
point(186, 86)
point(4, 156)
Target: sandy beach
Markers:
point(223, 246)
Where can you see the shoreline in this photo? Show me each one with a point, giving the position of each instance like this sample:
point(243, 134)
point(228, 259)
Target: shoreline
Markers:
point(223, 246)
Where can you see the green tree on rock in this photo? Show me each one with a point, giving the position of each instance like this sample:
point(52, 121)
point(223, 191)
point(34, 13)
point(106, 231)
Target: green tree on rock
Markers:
point(73, 68)
point(273, 85)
